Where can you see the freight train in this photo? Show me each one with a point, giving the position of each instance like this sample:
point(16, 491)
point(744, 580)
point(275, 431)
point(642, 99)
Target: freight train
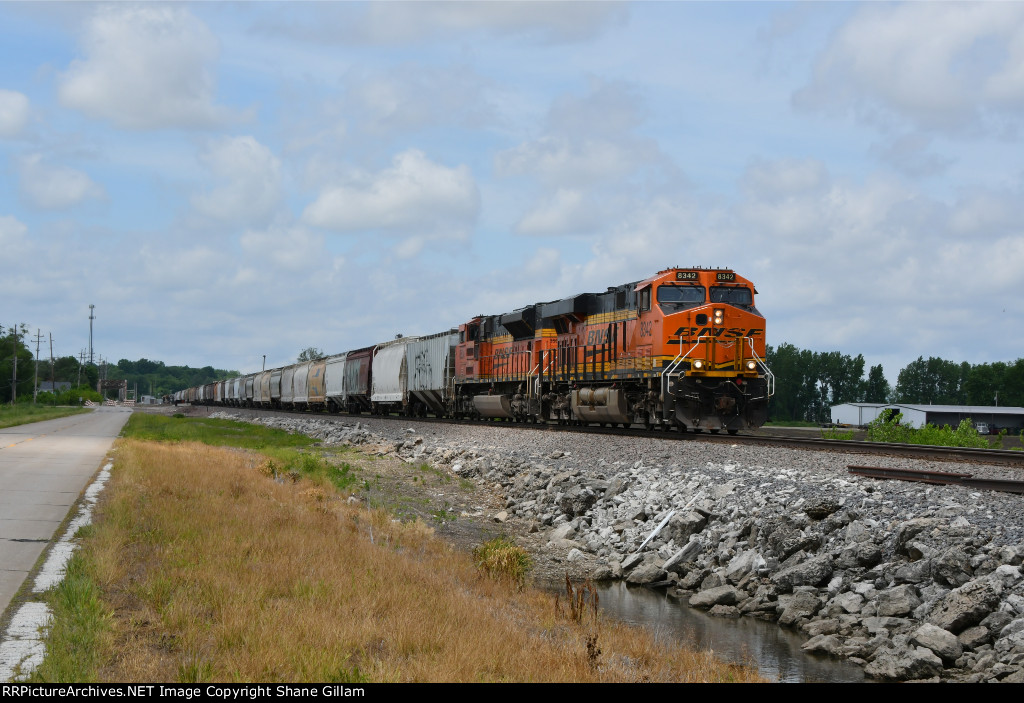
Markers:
point(684, 348)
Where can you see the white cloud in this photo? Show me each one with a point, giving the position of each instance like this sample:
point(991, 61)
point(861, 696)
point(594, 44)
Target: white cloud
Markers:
point(564, 212)
point(145, 67)
point(409, 22)
point(12, 234)
point(947, 66)
point(608, 108)
point(909, 155)
point(14, 112)
point(52, 187)
point(563, 161)
point(412, 96)
point(249, 177)
point(414, 192)
point(785, 176)
point(289, 251)
point(590, 166)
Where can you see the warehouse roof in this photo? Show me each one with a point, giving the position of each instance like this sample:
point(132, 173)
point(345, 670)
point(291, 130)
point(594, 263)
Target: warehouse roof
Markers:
point(988, 409)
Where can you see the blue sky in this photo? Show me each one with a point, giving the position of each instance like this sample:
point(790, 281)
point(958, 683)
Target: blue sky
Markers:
point(225, 181)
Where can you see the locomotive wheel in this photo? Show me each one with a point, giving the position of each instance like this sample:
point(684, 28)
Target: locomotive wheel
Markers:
point(714, 431)
point(733, 431)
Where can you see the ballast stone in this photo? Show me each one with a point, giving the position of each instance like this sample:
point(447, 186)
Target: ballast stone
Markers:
point(943, 642)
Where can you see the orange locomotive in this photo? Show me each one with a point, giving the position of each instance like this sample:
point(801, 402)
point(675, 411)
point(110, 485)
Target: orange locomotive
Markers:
point(683, 348)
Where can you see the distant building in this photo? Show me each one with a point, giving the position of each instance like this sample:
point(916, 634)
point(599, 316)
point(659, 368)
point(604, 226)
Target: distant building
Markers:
point(58, 387)
point(917, 415)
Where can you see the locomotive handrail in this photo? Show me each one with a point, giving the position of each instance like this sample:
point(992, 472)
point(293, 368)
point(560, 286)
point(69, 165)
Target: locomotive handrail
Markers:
point(671, 368)
point(769, 376)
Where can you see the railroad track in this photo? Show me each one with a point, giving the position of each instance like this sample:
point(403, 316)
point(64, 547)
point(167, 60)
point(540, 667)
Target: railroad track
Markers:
point(942, 478)
point(916, 451)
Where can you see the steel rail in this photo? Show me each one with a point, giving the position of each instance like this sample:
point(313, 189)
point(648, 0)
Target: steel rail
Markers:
point(938, 478)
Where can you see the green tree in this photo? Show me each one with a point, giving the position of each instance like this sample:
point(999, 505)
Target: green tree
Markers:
point(12, 347)
point(310, 354)
point(935, 381)
point(840, 377)
point(797, 395)
point(877, 389)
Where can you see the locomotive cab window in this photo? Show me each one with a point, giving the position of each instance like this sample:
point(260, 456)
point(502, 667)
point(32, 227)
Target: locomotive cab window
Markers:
point(731, 295)
point(645, 299)
point(673, 298)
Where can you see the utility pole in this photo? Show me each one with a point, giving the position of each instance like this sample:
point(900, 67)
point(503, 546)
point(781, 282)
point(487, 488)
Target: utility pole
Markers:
point(91, 318)
point(14, 356)
point(81, 361)
point(53, 373)
point(35, 377)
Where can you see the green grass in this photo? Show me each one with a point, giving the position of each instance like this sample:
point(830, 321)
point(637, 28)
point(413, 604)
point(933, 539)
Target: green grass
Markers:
point(11, 415)
point(285, 451)
point(80, 623)
point(222, 433)
point(837, 434)
point(425, 468)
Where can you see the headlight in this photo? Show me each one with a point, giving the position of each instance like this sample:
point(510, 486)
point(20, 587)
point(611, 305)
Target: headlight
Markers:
point(698, 364)
point(751, 365)
point(719, 316)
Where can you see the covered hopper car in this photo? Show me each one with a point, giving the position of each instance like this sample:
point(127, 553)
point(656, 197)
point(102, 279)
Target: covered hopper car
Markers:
point(684, 348)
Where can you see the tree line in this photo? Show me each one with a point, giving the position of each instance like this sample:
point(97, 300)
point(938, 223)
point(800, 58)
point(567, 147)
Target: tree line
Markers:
point(808, 383)
point(150, 377)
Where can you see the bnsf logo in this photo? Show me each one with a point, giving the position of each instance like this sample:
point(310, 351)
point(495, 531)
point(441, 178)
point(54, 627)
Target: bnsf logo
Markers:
point(730, 333)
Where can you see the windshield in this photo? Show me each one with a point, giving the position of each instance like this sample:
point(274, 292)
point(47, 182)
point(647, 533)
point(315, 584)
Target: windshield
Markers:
point(681, 295)
point(731, 295)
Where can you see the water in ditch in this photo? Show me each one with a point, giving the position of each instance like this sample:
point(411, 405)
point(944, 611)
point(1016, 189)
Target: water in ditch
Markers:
point(773, 650)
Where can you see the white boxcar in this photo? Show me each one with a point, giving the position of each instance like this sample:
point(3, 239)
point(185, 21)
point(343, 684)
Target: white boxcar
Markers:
point(287, 387)
point(390, 374)
point(300, 389)
point(257, 391)
point(431, 364)
point(335, 381)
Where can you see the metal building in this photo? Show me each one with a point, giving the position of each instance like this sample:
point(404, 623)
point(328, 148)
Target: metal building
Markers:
point(1009, 418)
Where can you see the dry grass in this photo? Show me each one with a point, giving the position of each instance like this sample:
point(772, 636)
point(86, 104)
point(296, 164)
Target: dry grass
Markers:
point(215, 571)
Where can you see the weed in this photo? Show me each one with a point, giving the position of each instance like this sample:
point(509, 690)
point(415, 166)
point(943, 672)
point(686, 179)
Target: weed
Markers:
point(837, 434)
point(593, 651)
point(352, 675)
point(889, 429)
point(194, 669)
point(580, 600)
point(442, 515)
point(500, 558)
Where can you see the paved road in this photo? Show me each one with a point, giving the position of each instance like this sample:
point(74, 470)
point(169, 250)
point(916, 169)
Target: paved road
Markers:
point(44, 467)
